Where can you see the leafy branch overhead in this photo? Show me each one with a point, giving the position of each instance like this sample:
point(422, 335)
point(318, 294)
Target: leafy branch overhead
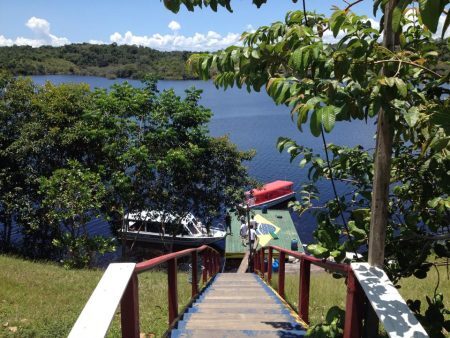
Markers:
point(403, 84)
point(326, 83)
point(430, 10)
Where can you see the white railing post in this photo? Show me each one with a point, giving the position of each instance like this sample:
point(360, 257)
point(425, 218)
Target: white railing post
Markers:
point(96, 317)
point(398, 320)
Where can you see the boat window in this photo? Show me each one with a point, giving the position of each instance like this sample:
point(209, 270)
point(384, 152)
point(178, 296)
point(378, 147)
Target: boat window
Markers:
point(192, 228)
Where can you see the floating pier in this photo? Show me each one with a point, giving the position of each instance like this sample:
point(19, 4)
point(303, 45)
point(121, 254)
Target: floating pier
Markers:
point(278, 222)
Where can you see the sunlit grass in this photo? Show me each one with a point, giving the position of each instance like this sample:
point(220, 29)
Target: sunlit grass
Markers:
point(44, 300)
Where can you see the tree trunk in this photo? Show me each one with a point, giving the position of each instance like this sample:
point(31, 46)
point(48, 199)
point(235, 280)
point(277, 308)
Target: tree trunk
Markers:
point(381, 181)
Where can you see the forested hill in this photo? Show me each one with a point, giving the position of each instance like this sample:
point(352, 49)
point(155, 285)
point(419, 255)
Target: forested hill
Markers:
point(100, 60)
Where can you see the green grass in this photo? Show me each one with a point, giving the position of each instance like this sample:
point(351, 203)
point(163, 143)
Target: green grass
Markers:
point(44, 300)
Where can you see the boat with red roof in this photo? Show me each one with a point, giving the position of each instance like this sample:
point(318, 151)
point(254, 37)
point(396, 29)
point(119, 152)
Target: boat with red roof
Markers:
point(270, 194)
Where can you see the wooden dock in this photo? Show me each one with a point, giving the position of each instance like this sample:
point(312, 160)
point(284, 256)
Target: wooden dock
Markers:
point(279, 221)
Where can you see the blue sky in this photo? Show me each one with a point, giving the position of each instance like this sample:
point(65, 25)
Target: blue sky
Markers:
point(37, 22)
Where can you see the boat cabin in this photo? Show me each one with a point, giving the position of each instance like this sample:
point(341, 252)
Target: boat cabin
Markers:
point(157, 222)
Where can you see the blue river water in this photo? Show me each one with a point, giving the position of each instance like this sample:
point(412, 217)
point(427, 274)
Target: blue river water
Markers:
point(253, 121)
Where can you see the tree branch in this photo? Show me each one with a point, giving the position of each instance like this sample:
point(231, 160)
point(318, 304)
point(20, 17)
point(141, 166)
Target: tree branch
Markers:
point(350, 5)
point(411, 64)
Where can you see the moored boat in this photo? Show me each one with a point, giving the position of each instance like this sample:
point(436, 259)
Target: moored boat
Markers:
point(270, 194)
point(149, 226)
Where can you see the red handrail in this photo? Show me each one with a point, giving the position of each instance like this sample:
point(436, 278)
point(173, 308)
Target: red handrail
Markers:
point(355, 295)
point(130, 300)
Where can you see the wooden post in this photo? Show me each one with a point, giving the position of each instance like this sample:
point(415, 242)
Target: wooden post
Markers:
point(303, 292)
point(250, 257)
point(172, 289)
point(269, 265)
point(213, 263)
point(354, 308)
point(205, 267)
point(194, 274)
point(382, 173)
point(129, 309)
point(256, 261)
point(262, 268)
point(281, 275)
point(217, 262)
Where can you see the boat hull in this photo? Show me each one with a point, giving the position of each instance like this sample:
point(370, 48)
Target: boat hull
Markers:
point(187, 241)
point(273, 202)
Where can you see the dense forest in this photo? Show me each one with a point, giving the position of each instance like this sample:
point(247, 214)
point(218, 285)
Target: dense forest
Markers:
point(110, 61)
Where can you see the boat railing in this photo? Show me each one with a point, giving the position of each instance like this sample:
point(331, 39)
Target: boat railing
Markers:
point(365, 285)
point(119, 285)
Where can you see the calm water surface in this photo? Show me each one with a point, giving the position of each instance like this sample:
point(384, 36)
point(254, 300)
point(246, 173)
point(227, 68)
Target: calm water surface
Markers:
point(253, 121)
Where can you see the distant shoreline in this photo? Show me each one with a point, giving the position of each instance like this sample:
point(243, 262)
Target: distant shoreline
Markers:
point(108, 61)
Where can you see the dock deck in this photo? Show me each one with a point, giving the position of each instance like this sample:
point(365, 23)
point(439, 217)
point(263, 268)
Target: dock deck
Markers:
point(279, 221)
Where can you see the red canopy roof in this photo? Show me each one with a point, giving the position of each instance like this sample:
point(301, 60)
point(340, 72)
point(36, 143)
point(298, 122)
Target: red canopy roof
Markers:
point(272, 186)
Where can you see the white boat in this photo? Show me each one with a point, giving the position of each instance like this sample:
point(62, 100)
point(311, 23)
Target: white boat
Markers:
point(149, 226)
point(270, 194)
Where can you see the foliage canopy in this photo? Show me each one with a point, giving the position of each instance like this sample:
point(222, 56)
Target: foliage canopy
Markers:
point(69, 155)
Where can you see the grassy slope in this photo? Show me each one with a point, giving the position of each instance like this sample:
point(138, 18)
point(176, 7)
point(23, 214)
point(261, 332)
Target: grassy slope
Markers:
point(44, 300)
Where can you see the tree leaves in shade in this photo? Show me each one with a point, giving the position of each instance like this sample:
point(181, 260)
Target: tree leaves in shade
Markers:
point(430, 11)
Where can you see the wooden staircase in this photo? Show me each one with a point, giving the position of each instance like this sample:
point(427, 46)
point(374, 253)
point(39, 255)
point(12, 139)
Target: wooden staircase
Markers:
point(239, 305)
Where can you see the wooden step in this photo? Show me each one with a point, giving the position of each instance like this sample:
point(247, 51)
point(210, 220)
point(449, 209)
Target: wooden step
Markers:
point(235, 334)
point(243, 298)
point(221, 324)
point(235, 316)
point(243, 306)
point(253, 310)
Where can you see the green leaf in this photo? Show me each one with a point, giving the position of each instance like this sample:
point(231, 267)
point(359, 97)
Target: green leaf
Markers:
point(255, 54)
point(420, 274)
point(401, 86)
point(318, 250)
point(430, 11)
point(411, 117)
point(328, 114)
point(296, 59)
point(442, 118)
point(172, 5)
point(315, 123)
point(336, 21)
point(398, 14)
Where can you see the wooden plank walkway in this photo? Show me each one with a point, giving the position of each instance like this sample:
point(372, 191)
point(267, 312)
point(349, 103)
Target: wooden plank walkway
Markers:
point(280, 220)
point(239, 305)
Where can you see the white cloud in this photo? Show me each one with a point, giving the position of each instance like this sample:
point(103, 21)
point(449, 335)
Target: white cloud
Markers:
point(174, 26)
point(5, 41)
point(249, 28)
point(41, 28)
point(210, 41)
point(96, 42)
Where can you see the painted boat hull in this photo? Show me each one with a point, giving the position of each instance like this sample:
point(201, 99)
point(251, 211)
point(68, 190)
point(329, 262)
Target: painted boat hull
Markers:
point(273, 202)
point(188, 241)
